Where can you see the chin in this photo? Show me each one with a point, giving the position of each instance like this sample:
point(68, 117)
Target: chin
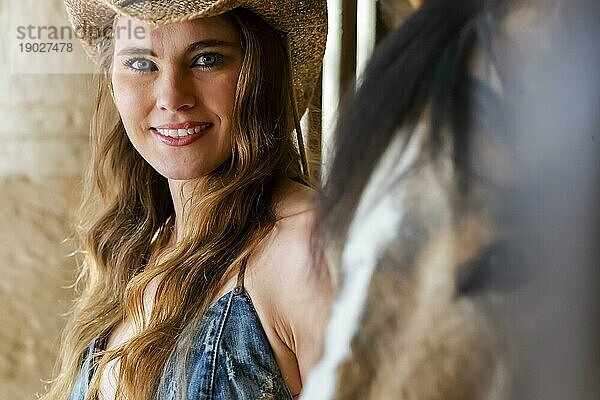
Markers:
point(186, 172)
point(179, 174)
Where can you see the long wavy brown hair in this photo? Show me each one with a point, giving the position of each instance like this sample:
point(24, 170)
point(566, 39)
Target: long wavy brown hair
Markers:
point(126, 217)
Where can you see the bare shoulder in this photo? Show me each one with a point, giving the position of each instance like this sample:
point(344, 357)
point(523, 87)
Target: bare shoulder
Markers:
point(294, 199)
point(288, 246)
point(291, 246)
point(289, 281)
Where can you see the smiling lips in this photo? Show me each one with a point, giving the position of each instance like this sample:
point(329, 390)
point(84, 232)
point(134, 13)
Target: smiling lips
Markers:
point(182, 130)
point(178, 135)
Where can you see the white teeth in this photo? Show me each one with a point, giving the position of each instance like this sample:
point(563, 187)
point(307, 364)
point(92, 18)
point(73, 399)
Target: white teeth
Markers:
point(181, 132)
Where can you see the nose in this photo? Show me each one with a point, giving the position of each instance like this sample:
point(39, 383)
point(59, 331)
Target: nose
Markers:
point(175, 91)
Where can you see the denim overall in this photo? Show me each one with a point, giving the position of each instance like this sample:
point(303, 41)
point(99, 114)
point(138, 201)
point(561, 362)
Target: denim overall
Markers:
point(230, 358)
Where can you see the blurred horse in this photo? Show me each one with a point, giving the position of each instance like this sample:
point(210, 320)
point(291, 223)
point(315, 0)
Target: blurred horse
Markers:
point(426, 214)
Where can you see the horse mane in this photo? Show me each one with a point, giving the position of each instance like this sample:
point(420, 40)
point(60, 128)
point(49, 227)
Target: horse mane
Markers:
point(406, 214)
point(454, 163)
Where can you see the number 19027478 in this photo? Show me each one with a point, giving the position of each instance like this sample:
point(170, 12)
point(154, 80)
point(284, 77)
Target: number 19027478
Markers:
point(46, 47)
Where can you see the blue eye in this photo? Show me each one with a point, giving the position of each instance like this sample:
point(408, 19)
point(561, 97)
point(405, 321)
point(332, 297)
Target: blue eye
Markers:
point(140, 65)
point(208, 60)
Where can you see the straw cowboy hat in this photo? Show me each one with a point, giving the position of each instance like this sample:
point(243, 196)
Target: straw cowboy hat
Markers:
point(303, 22)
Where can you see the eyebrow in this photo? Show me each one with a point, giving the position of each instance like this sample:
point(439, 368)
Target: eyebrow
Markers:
point(199, 45)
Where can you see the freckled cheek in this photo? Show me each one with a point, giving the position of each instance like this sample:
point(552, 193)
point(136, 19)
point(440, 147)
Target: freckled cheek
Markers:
point(131, 103)
point(222, 95)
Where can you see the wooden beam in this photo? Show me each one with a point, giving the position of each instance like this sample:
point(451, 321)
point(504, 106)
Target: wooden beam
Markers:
point(348, 50)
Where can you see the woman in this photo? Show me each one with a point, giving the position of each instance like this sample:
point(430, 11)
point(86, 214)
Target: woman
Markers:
point(197, 279)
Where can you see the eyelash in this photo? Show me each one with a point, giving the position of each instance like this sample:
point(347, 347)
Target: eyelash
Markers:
point(218, 59)
point(128, 63)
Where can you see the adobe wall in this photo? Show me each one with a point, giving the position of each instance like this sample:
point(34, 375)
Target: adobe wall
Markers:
point(43, 147)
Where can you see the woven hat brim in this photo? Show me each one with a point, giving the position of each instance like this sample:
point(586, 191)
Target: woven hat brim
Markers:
point(304, 22)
